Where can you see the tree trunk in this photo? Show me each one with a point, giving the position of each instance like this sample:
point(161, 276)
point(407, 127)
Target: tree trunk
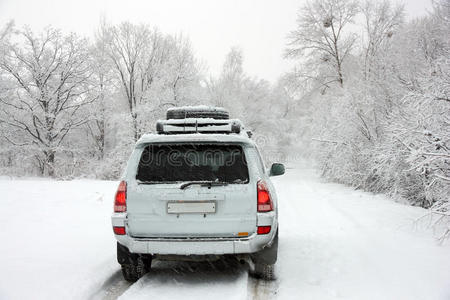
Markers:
point(50, 162)
point(135, 126)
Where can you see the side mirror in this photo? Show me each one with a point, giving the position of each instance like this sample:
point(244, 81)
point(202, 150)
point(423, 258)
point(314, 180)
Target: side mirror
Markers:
point(276, 169)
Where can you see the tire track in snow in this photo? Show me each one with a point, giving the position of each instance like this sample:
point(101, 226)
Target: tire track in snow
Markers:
point(220, 279)
point(112, 288)
point(115, 286)
point(258, 289)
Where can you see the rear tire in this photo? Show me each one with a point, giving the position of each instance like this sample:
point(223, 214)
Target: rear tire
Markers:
point(264, 271)
point(264, 261)
point(133, 272)
point(133, 265)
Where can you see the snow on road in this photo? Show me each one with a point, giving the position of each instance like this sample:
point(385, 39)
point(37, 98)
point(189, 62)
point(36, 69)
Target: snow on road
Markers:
point(335, 243)
point(55, 238)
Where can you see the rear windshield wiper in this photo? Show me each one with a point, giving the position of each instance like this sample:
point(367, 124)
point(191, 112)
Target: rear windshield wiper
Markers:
point(152, 182)
point(203, 183)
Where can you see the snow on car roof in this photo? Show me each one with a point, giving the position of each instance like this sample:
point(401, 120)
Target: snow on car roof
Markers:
point(194, 137)
point(199, 120)
point(198, 108)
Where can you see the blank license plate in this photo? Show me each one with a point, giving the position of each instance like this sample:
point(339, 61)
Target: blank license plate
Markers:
point(191, 207)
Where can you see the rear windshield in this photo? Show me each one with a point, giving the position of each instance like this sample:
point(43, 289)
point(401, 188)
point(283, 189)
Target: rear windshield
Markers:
point(193, 162)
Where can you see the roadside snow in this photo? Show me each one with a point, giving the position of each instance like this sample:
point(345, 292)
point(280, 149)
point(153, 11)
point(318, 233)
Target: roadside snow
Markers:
point(56, 238)
point(335, 243)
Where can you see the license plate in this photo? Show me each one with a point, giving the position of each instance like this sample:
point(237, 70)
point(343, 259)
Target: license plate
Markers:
point(191, 207)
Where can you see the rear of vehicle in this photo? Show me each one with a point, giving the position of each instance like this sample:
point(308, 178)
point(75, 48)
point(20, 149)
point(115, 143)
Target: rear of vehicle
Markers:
point(190, 195)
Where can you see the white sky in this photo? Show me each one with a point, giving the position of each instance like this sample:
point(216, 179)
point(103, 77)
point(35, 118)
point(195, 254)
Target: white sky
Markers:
point(258, 27)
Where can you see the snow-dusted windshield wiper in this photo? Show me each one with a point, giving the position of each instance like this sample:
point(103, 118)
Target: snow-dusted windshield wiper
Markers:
point(203, 183)
point(240, 181)
point(152, 182)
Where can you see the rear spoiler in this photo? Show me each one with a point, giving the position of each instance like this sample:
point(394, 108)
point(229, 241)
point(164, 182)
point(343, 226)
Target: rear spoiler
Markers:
point(200, 125)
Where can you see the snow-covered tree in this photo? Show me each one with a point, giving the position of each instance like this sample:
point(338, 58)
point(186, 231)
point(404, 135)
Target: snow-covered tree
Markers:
point(136, 52)
point(380, 21)
point(322, 40)
point(45, 85)
point(155, 71)
point(226, 89)
point(182, 71)
point(387, 129)
point(266, 109)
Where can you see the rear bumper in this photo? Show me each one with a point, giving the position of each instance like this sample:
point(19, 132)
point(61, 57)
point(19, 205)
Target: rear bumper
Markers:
point(160, 246)
point(198, 246)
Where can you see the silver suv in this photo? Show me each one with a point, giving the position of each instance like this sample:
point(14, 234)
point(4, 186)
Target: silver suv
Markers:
point(197, 189)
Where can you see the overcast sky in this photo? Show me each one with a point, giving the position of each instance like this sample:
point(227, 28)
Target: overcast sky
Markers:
point(259, 27)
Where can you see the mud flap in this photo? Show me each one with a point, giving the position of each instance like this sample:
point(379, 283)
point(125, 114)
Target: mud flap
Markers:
point(125, 257)
point(268, 255)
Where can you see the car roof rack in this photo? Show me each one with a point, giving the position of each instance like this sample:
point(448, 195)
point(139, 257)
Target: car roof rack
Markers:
point(198, 125)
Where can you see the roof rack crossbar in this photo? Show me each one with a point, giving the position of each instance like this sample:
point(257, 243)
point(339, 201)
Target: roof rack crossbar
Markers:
point(198, 126)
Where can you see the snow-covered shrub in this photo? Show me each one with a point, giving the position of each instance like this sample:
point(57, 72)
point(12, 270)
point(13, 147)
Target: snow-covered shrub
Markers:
point(386, 129)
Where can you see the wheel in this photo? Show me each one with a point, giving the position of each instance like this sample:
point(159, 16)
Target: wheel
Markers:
point(132, 272)
point(197, 112)
point(133, 265)
point(264, 261)
point(264, 271)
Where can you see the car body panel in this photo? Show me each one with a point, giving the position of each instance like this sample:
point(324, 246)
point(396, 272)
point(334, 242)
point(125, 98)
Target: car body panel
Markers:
point(152, 230)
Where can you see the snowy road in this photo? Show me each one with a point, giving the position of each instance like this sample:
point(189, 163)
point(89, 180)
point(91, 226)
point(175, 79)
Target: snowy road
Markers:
point(335, 243)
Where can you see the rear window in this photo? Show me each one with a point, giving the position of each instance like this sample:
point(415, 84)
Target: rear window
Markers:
point(193, 162)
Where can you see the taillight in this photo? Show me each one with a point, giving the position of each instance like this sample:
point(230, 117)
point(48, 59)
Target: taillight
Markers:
point(119, 230)
point(120, 203)
point(264, 201)
point(264, 229)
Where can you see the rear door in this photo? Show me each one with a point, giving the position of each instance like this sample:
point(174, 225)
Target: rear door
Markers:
point(192, 190)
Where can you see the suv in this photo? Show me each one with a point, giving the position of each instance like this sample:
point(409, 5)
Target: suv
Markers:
point(197, 189)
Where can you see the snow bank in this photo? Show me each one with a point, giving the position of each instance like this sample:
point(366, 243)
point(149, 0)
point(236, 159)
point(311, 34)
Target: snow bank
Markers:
point(56, 238)
point(338, 243)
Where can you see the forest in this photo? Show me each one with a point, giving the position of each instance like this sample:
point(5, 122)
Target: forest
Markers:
point(367, 98)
